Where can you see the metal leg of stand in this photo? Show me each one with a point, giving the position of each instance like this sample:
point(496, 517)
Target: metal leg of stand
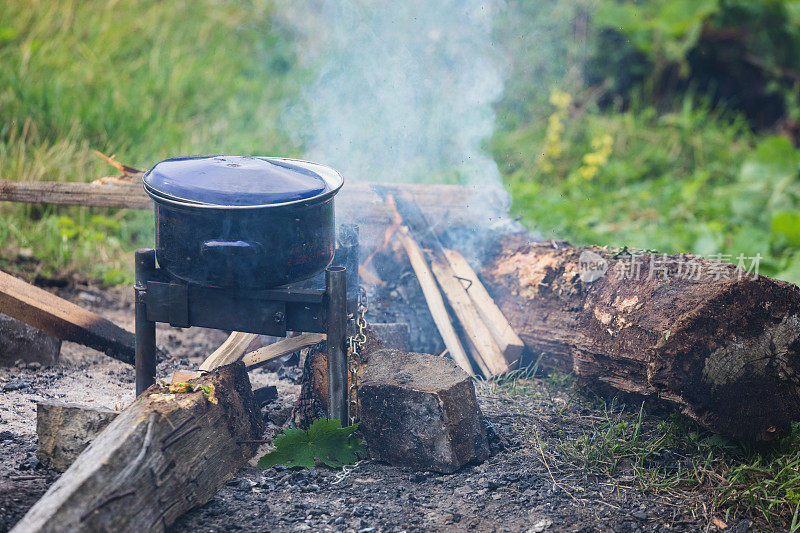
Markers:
point(347, 256)
point(145, 330)
point(336, 289)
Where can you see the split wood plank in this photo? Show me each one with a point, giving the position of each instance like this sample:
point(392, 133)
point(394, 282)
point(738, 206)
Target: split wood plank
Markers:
point(503, 334)
point(163, 455)
point(488, 356)
point(283, 347)
point(434, 300)
point(63, 319)
point(229, 351)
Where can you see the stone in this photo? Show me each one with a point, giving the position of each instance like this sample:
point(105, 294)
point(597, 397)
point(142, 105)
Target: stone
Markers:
point(420, 410)
point(19, 341)
point(265, 395)
point(65, 430)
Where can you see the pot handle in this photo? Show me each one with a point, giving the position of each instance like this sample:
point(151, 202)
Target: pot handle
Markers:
point(226, 250)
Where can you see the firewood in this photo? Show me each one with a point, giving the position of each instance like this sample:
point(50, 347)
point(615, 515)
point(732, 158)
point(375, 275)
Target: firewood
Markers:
point(503, 334)
point(433, 298)
point(484, 350)
point(229, 351)
point(64, 430)
point(720, 344)
point(486, 353)
point(163, 455)
point(283, 347)
point(63, 319)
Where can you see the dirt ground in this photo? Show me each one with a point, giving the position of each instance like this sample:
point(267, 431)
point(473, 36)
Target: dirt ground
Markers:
point(516, 489)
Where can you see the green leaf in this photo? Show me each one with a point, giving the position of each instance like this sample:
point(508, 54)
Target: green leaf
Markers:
point(775, 159)
point(326, 441)
point(786, 227)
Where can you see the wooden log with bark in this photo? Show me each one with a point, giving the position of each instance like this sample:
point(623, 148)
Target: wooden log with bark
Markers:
point(720, 344)
point(165, 454)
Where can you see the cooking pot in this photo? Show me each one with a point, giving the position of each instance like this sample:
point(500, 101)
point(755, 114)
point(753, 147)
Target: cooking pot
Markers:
point(243, 222)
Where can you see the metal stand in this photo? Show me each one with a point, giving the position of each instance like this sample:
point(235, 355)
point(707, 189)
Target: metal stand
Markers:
point(161, 298)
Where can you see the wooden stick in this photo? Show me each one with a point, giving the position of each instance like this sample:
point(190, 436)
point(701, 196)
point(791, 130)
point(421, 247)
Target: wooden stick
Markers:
point(129, 193)
point(63, 319)
point(503, 334)
point(116, 194)
point(230, 350)
point(434, 300)
point(488, 356)
point(164, 454)
point(283, 347)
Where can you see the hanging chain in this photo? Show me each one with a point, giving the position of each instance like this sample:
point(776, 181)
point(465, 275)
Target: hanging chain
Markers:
point(355, 343)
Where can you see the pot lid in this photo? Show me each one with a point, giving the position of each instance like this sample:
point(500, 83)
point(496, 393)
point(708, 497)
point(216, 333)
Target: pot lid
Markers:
point(231, 180)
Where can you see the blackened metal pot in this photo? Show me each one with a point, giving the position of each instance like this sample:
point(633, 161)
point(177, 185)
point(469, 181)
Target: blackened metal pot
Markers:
point(236, 222)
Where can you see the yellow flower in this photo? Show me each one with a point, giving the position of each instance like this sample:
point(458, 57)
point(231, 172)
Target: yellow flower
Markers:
point(560, 99)
point(587, 172)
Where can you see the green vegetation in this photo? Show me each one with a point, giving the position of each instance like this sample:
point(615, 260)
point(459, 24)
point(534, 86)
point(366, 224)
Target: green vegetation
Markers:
point(637, 145)
point(620, 136)
point(679, 457)
point(142, 80)
point(326, 441)
point(580, 437)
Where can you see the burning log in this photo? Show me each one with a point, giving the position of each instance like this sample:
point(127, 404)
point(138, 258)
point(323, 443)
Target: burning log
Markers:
point(486, 354)
point(720, 344)
point(508, 342)
point(166, 453)
point(63, 319)
point(433, 298)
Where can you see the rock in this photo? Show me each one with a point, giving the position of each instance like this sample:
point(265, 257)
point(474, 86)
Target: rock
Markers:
point(393, 335)
point(420, 410)
point(16, 385)
point(265, 395)
point(64, 431)
point(19, 341)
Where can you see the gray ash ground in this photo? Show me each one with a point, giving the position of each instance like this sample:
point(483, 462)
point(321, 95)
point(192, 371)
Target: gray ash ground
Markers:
point(523, 486)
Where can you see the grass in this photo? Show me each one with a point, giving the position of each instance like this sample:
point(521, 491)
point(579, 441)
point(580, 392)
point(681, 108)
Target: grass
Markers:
point(671, 456)
point(143, 80)
point(693, 179)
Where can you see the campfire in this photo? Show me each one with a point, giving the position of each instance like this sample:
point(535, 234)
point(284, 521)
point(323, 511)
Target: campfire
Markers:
point(396, 313)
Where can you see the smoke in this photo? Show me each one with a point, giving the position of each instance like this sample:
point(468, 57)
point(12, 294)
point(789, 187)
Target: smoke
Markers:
point(400, 91)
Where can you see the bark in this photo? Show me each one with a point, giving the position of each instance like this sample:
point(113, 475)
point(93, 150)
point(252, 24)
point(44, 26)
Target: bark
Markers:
point(163, 455)
point(313, 400)
point(718, 343)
